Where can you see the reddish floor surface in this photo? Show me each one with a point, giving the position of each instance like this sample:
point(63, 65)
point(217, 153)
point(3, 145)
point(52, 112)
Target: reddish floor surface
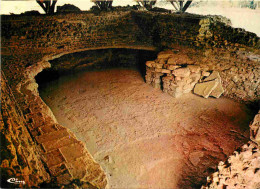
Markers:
point(142, 137)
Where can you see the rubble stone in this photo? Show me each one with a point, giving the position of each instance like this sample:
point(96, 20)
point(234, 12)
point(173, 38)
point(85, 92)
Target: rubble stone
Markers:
point(181, 72)
point(165, 54)
point(150, 63)
point(172, 67)
point(240, 171)
point(204, 89)
point(205, 74)
point(194, 68)
point(218, 91)
point(255, 129)
point(213, 76)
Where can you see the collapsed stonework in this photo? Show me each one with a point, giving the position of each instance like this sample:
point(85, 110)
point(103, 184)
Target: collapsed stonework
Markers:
point(177, 77)
point(177, 72)
point(242, 169)
point(28, 44)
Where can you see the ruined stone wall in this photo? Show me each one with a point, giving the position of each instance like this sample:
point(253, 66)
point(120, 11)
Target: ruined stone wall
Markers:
point(239, 71)
point(20, 158)
point(68, 31)
point(40, 152)
point(166, 30)
point(29, 43)
point(241, 170)
point(203, 31)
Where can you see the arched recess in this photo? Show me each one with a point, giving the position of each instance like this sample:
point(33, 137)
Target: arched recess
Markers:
point(57, 144)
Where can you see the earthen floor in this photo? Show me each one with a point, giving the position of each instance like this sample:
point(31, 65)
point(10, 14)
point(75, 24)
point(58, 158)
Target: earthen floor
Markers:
point(142, 137)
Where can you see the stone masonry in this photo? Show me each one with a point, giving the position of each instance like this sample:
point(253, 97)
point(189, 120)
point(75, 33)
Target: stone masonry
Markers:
point(28, 43)
point(176, 75)
point(20, 157)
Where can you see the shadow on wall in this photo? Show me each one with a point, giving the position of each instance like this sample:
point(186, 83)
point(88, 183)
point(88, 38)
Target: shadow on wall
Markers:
point(96, 60)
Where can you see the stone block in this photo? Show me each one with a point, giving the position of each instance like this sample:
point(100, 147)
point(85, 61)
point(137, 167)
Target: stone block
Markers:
point(193, 84)
point(180, 83)
point(73, 151)
point(57, 170)
point(67, 140)
point(167, 78)
point(185, 91)
point(181, 72)
point(218, 91)
point(187, 87)
point(166, 71)
point(158, 66)
point(204, 89)
point(205, 74)
point(52, 136)
point(177, 78)
point(158, 70)
point(194, 68)
point(157, 80)
point(172, 67)
point(78, 168)
point(64, 178)
point(213, 76)
point(158, 74)
point(162, 61)
point(187, 80)
point(156, 85)
point(175, 88)
point(149, 63)
point(165, 54)
point(38, 121)
point(171, 61)
point(255, 129)
point(54, 158)
point(195, 77)
point(175, 94)
point(48, 128)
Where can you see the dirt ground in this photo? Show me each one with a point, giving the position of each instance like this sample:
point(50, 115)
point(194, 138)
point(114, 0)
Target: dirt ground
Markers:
point(142, 137)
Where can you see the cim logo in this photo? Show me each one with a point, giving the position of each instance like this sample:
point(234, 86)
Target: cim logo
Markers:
point(15, 181)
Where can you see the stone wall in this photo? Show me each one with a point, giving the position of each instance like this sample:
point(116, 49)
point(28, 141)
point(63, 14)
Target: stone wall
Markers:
point(239, 72)
point(30, 43)
point(20, 157)
point(67, 31)
point(166, 31)
point(170, 73)
point(178, 70)
point(39, 150)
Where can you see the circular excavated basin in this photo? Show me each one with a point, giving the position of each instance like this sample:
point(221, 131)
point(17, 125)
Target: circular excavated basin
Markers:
point(142, 137)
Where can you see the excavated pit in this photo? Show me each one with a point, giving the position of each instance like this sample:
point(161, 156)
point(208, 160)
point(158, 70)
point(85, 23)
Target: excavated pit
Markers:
point(142, 137)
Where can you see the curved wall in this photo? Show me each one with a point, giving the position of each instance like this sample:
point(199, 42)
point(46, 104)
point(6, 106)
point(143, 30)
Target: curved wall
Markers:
point(29, 43)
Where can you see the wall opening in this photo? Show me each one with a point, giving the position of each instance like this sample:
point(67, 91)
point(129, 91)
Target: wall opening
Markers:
point(95, 60)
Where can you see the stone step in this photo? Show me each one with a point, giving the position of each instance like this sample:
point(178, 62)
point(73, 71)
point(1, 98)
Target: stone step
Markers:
point(73, 151)
point(90, 171)
point(57, 170)
point(54, 157)
point(55, 144)
point(45, 129)
point(52, 136)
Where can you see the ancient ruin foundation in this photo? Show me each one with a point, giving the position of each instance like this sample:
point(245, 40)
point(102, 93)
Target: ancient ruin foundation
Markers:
point(96, 123)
